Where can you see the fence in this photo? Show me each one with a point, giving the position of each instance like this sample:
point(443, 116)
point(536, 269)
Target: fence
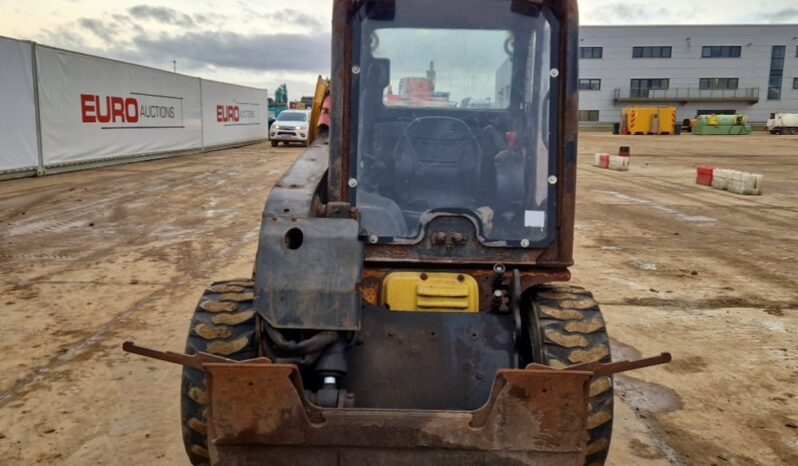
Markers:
point(62, 109)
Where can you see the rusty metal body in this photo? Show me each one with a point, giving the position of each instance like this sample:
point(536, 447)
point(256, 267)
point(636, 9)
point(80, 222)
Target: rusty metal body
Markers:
point(344, 380)
point(257, 410)
point(533, 417)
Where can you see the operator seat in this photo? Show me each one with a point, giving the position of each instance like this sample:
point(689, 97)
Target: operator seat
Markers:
point(437, 165)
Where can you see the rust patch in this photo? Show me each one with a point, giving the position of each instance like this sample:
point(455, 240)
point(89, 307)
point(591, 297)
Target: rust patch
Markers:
point(578, 304)
point(237, 297)
point(226, 348)
point(198, 395)
point(560, 314)
point(197, 426)
point(589, 355)
point(599, 386)
point(598, 418)
point(209, 332)
point(567, 341)
point(588, 326)
point(233, 319)
point(226, 288)
point(213, 306)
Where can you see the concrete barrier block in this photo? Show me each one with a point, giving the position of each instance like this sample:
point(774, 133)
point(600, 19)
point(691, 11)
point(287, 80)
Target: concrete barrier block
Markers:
point(619, 163)
point(745, 183)
point(720, 178)
point(703, 175)
point(602, 159)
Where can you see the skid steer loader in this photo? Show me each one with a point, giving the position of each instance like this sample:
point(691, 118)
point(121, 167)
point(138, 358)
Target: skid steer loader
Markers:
point(408, 303)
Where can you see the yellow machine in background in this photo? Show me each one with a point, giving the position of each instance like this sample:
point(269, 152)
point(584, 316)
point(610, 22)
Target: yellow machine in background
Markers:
point(648, 120)
point(322, 91)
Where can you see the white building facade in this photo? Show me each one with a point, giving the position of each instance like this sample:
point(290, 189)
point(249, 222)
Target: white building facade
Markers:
point(747, 69)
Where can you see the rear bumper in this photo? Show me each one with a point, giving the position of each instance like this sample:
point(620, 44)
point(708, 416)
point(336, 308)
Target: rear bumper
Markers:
point(258, 412)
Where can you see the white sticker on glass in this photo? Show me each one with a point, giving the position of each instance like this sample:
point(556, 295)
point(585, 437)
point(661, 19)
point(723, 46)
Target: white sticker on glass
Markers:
point(535, 218)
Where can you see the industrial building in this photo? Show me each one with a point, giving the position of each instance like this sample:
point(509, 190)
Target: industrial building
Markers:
point(701, 69)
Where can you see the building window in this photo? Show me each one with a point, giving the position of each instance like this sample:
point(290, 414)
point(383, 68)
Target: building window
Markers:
point(651, 52)
point(721, 51)
point(640, 87)
point(718, 83)
point(590, 84)
point(588, 115)
point(776, 72)
point(795, 83)
point(591, 52)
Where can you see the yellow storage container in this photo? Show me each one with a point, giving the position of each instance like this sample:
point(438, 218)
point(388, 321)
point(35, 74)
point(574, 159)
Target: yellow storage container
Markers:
point(648, 120)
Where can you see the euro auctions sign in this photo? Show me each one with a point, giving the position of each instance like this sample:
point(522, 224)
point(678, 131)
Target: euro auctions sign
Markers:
point(237, 114)
point(233, 113)
point(135, 110)
point(94, 109)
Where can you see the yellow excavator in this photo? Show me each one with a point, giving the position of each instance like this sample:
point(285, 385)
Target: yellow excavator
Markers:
point(409, 302)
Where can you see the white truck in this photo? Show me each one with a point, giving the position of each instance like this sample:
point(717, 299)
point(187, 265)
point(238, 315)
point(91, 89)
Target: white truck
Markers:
point(783, 123)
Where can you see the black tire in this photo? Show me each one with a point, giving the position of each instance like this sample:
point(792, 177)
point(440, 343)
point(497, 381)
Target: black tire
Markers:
point(572, 331)
point(275, 143)
point(223, 324)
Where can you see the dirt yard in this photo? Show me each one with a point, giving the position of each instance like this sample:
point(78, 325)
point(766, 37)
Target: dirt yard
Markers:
point(90, 259)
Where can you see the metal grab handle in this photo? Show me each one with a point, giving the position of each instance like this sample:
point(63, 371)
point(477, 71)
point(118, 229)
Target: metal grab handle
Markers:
point(195, 361)
point(606, 368)
point(599, 369)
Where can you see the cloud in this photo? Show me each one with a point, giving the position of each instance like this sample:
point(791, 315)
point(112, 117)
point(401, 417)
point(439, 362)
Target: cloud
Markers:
point(296, 18)
point(784, 15)
point(286, 17)
point(260, 52)
point(98, 28)
point(161, 14)
point(625, 13)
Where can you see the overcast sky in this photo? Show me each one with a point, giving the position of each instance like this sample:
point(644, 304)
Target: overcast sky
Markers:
point(264, 43)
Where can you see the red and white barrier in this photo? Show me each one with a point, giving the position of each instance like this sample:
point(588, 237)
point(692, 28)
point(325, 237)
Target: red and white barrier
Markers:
point(733, 181)
point(704, 175)
point(612, 162)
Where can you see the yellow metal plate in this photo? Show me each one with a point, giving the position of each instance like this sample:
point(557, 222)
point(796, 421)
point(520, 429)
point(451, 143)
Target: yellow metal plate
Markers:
point(430, 291)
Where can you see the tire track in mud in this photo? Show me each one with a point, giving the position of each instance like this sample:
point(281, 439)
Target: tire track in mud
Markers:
point(698, 194)
point(760, 263)
point(217, 180)
point(67, 220)
point(27, 383)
